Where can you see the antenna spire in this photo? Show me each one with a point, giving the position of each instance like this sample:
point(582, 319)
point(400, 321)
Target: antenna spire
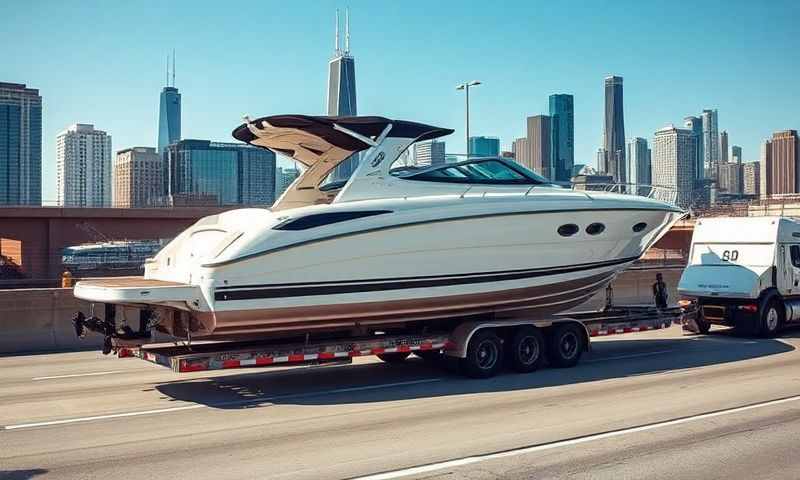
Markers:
point(173, 67)
point(167, 84)
point(337, 49)
point(347, 31)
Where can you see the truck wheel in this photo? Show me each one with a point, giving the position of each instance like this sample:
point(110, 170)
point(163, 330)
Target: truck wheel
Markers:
point(526, 352)
point(566, 345)
point(702, 325)
point(771, 319)
point(393, 357)
point(484, 355)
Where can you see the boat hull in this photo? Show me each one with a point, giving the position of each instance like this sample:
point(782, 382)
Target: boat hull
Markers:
point(498, 265)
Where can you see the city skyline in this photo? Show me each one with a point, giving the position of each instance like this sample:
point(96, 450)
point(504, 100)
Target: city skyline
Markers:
point(252, 83)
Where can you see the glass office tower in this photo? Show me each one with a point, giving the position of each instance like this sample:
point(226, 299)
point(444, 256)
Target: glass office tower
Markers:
point(20, 145)
point(562, 145)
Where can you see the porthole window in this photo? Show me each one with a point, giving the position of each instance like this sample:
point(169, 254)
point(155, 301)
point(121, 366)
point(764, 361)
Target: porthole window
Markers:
point(639, 227)
point(595, 228)
point(568, 230)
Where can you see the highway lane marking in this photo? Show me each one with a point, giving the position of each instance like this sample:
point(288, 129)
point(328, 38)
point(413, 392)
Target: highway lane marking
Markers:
point(459, 462)
point(91, 374)
point(249, 401)
point(633, 355)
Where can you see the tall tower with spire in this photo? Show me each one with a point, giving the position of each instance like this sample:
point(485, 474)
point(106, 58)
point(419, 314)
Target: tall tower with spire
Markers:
point(342, 88)
point(169, 116)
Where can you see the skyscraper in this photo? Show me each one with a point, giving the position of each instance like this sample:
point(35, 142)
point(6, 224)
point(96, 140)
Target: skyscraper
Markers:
point(169, 112)
point(695, 124)
point(429, 153)
point(736, 154)
point(730, 177)
point(751, 178)
point(539, 131)
point(522, 152)
point(765, 170)
point(484, 146)
point(283, 178)
point(710, 141)
point(781, 162)
point(673, 158)
point(342, 90)
point(20, 145)
point(562, 145)
point(614, 132)
point(83, 157)
point(723, 147)
point(637, 162)
point(222, 173)
point(138, 178)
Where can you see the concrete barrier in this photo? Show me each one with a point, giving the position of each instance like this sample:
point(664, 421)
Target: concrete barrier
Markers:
point(38, 320)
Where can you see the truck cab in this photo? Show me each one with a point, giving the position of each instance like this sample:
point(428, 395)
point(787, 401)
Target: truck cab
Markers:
point(744, 272)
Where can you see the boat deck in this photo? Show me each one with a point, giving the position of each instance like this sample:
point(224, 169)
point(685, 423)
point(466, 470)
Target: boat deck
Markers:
point(130, 282)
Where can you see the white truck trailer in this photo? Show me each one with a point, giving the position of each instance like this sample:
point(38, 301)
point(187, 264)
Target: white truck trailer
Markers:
point(744, 272)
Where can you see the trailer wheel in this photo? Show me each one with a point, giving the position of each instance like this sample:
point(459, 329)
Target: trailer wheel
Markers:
point(526, 352)
point(771, 319)
point(393, 357)
point(566, 345)
point(484, 355)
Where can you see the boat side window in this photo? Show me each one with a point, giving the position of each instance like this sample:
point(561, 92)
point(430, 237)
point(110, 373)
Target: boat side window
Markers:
point(320, 219)
point(794, 251)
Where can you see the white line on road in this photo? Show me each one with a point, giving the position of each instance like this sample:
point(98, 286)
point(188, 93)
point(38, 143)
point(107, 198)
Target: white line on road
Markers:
point(633, 355)
point(217, 405)
point(92, 374)
point(569, 442)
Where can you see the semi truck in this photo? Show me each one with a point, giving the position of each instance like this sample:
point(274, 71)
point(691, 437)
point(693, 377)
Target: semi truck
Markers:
point(744, 272)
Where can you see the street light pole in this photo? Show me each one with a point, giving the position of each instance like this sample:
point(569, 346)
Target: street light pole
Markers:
point(465, 86)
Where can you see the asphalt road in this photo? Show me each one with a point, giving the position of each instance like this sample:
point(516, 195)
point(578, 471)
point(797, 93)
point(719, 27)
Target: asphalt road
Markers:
point(647, 405)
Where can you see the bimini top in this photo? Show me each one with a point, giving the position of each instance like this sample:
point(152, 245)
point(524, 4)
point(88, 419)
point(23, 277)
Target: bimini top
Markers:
point(322, 143)
point(330, 130)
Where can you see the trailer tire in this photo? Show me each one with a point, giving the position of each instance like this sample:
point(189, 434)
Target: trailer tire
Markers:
point(484, 355)
point(393, 357)
point(566, 345)
point(526, 352)
point(771, 318)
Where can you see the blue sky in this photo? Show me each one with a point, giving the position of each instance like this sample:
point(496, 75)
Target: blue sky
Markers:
point(103, 63)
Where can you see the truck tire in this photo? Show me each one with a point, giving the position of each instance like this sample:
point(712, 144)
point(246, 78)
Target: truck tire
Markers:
point(393, 357)
point(484, 355)
point(702, 325)
point(771, 318)
point(566, 343)
point(526, 352)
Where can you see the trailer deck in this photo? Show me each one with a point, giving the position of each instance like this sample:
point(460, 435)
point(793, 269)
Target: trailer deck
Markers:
point(200, 356)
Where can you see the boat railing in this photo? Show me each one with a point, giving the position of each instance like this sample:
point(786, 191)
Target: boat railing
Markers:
point(656, 192)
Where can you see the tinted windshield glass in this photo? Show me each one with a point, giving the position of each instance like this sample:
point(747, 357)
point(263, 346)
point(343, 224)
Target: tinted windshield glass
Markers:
point(473, 171)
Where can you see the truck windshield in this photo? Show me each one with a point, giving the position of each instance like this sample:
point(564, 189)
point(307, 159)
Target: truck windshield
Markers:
point(749, 254)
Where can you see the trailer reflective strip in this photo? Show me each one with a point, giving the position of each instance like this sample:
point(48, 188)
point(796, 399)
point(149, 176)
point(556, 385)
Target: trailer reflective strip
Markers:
point(196, 365)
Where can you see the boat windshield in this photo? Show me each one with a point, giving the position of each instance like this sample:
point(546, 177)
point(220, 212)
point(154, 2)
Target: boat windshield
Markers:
point(478, 170)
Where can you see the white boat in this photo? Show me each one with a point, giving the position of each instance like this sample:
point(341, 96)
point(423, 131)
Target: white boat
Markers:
point(395, 245)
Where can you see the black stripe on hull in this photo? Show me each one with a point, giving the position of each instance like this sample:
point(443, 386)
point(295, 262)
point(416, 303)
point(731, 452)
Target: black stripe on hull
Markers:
point(289, 290)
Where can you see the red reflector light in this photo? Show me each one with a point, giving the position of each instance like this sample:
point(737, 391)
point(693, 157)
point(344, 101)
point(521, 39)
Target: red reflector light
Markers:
point(751, 308)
